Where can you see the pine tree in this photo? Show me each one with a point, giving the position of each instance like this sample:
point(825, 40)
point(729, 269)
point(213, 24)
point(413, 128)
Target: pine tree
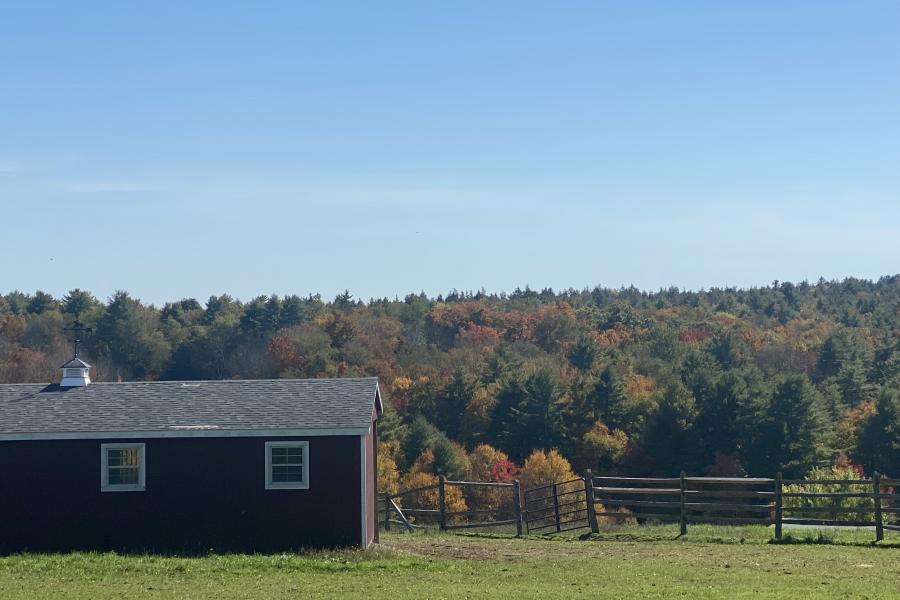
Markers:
point(669, 436)
point(452, 402)
point(610, 402)
point(77, 302)
point(879, 445)
point(583, 353)
point(798, 431)
point(538, 417)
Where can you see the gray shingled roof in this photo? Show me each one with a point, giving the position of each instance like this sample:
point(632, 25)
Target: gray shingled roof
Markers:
point(188, 406)
point(76, 362)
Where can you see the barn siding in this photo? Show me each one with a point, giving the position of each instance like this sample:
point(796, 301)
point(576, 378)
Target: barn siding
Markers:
point(202, 493)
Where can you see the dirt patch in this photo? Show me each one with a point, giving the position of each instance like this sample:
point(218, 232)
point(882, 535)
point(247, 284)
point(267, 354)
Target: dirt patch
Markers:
point(476, 548)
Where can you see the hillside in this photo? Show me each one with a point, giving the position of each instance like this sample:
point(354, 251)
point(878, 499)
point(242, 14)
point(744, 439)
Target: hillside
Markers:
point(727, 381)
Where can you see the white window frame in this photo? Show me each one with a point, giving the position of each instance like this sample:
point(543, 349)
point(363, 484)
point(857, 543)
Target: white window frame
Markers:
point(140, 486)
point(291, 485)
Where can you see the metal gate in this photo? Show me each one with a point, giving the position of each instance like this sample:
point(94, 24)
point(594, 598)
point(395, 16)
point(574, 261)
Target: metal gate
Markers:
point(556, 507)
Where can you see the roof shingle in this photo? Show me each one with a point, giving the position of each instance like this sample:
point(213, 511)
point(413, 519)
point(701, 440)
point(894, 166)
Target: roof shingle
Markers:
point(157, 406)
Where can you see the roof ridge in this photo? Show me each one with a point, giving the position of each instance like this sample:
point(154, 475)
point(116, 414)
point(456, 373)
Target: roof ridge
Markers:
point(292, 379)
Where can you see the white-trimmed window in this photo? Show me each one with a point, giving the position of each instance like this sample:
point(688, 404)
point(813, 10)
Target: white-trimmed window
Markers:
point(123, 467)
point(287, 465)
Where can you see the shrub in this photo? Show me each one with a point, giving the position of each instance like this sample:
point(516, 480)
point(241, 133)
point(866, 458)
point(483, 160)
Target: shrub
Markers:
point(843, 471)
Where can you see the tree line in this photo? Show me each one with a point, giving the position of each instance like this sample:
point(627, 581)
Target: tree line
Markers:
point(787, 377)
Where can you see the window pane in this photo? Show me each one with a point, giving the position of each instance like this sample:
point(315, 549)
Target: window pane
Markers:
point(130, 456)
point(123, 476)
point(287, 456)
point(287, 474)
point(121, 457)
point(114, 457)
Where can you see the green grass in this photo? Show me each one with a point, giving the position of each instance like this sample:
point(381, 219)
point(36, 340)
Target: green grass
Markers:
point(647, 562)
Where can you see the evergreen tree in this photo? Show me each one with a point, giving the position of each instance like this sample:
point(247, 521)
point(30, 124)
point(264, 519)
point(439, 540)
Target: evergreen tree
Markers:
point(218, 307)
point(726, 420)
point(610, 402)
point(728, 349)
point(797, 430)
point(77, 303)
point(452, 402)
point(42, 302)
point(879, 444)
point(668, 441)
point(851, 379)
point(128, 333)
point(583, 353)
point(421, 435)
point(261, 317)
point(538, 416)
point(448, 460)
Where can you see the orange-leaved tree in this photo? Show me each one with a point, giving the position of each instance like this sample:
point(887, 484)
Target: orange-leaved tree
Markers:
point(487, 464)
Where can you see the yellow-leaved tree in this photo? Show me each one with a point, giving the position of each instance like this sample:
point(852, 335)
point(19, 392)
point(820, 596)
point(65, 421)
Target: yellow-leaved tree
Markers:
point(388, 472)
point(544, 468)
point(430, 498)
point(477, 417)
point(547, 468)
point(602, 449)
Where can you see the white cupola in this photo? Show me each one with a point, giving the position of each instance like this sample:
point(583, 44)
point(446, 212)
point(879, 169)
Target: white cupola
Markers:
point(76, 373)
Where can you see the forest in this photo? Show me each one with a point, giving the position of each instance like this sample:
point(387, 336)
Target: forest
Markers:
point(785, 377)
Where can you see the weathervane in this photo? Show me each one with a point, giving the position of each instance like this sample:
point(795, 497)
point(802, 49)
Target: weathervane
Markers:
point(77, 329)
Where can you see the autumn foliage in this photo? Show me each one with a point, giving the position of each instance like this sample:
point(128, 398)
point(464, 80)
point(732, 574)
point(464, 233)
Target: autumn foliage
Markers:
point(487, 386)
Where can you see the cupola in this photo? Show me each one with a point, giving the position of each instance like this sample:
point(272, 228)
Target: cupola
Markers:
point(75, 373)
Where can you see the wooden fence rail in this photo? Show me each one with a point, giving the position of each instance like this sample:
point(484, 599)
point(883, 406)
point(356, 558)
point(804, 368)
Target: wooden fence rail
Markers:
point(745, 500)
point(413, 514)
point(585, 501)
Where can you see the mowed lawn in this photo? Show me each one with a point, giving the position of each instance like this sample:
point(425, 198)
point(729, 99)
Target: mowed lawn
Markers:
point(641, 563)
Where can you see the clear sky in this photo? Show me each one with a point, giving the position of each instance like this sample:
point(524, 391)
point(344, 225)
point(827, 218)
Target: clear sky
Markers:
point(181, 149)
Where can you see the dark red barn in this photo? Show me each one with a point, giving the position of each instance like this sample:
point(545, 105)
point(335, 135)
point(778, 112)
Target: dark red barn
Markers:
point(248, 465)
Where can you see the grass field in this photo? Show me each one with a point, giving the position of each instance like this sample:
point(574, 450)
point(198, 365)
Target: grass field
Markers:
point(644, 562)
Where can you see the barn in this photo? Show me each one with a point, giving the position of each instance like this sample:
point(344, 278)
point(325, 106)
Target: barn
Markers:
point(236, 465)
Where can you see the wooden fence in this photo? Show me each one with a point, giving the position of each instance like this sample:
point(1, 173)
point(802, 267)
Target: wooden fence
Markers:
point(745, 500)
point(587, 501)
point(428, 505)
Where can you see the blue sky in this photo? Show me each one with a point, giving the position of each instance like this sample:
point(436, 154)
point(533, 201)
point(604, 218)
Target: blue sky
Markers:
point(287, 147)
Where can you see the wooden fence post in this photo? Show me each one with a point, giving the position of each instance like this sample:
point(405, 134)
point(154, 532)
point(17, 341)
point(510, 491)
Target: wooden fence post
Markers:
point(779, 506)
point(443, 502)
point(683, 512)
point(517, 502)
point(556, 506)
point(387, 512)
point(879, 520)
point(589, 498)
